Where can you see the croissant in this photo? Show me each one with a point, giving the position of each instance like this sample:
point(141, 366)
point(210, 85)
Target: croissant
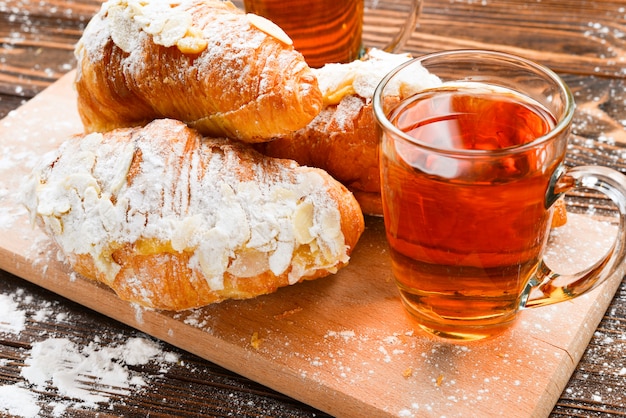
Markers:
point(171, 220)
point(204, 62)
point(343, 139)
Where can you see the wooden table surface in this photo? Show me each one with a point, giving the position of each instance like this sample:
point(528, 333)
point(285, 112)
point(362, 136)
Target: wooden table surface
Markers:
point(584, 41)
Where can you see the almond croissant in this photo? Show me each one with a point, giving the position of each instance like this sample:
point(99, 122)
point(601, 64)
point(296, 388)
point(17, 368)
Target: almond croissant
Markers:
point(171, 220)
point(343, 139)
point(204, 62)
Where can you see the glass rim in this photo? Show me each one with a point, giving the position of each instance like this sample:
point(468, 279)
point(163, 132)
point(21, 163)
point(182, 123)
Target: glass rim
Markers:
point(561, 125)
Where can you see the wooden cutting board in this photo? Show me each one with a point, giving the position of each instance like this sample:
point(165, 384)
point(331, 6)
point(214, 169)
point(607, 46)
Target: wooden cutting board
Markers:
point(342, 344)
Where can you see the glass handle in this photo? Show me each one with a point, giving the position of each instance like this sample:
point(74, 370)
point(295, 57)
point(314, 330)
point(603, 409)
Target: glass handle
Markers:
point(548, 286)
point(406, 29)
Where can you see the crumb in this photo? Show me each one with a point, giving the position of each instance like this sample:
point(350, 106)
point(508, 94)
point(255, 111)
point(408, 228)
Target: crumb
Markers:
point(287, 313)
point(255, 341)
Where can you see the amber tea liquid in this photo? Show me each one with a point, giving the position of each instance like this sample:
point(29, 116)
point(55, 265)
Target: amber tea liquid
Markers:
point(324, 31)
point(466, 234)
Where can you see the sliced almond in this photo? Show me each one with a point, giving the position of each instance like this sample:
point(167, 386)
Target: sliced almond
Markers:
point(302, 223)
point(191, 45)
point(269, 27)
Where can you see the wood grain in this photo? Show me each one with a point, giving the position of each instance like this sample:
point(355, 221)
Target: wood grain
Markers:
point(583, 40)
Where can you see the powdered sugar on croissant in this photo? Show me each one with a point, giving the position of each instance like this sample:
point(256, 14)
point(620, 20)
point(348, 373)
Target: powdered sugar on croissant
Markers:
point(174, 221)
point(204, 62)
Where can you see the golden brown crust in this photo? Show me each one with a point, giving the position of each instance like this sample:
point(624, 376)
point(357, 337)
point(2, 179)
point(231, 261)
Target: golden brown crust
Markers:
point(172, 284)
point(343, 140)
point(371, 202)
point(171, 220)
point(243, 83)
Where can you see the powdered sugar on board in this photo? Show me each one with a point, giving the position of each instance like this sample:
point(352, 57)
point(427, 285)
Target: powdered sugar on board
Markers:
point(82, 375)
point(11, 319)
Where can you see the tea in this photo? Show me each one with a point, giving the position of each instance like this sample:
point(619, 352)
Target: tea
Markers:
point(470, 171)
point(323, 30)
point(466, 233)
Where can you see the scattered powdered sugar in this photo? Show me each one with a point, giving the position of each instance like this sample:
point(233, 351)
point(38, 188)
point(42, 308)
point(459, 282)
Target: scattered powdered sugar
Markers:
point(83, 375)
point(11, 318)
point(345, 335)
point(87, 375)
point(78, 372)
point(573, 254)
point(19, 156)
point(14, 158)
point(19, 401)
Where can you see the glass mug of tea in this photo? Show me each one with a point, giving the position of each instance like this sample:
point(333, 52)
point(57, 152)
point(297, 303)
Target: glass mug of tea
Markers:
point(471, 167)
point(330, 31)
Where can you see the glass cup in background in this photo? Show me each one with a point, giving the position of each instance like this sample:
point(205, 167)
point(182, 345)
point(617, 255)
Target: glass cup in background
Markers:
point(330, 31)
point(470, 169)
